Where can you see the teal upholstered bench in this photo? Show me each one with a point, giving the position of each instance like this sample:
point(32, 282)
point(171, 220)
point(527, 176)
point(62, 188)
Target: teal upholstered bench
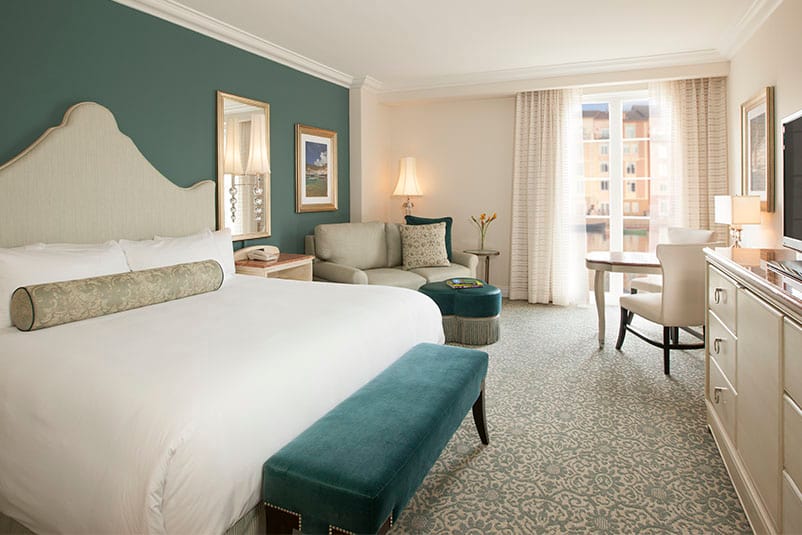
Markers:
point(470, 315)
point(355, 469)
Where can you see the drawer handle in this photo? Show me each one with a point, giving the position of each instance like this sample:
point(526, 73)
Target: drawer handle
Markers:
point(717, 345)
point(717, 393)
point(717, 295)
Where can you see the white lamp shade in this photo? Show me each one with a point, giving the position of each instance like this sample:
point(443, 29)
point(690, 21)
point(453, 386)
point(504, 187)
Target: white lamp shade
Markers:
point(258, 162)
point(407, 185)
point(737, 210)
point(232, 158)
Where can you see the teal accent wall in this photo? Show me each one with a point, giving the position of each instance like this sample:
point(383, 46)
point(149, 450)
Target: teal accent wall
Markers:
point(160, 81)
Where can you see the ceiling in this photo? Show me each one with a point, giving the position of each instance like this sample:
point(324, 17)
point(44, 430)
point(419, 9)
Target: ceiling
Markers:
point(423, 43)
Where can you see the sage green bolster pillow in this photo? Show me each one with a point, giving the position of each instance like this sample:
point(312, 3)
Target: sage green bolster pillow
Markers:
point(45, 305)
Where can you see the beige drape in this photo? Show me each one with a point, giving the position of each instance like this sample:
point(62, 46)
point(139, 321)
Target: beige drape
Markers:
point(548, 229)
point(688, 122)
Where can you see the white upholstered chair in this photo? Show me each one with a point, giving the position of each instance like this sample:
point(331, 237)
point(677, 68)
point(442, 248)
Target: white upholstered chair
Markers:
point(654, 283)
point(681, 304)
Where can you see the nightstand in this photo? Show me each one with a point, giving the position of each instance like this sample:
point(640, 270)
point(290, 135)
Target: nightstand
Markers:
point(288, 266)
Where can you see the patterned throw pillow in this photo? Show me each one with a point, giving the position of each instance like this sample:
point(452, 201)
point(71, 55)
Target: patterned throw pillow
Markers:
point(415, 220)
point(424, 245)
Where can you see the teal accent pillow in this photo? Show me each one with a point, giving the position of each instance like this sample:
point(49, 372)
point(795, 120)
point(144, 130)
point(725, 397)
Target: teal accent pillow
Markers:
point(415, 220)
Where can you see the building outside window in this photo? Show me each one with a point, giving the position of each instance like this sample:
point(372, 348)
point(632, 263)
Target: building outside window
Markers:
point(616, 139)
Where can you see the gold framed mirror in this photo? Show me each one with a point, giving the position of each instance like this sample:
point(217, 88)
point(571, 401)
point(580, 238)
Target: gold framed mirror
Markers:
point(243, 166)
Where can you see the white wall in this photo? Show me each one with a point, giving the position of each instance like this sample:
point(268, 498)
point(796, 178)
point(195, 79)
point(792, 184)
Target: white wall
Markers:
point(773, 56)
point(464, 163)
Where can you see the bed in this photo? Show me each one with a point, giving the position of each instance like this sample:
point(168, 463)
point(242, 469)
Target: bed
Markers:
point(158, 419)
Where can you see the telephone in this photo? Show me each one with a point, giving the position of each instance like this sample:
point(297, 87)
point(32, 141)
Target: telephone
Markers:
point(265, 253)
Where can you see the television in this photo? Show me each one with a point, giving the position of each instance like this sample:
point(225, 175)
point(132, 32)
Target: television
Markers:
point(792, 181)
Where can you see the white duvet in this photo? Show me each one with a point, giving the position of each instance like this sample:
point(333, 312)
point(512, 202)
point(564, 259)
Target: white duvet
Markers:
point(159, 419)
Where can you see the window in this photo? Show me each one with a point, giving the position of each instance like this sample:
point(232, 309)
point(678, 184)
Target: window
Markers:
point(617, 174)
point(663, 207)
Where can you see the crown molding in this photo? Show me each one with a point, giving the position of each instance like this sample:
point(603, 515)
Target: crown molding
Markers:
point(755, 16)
point(367, 82)
point(695, 57)
point(508, 88)
point(179, 14)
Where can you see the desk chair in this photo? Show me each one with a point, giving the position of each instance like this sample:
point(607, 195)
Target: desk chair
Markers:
point(654, 283)
point(680, 304)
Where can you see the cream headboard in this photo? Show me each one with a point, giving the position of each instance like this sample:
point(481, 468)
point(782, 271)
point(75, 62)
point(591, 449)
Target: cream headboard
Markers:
point(84, 181)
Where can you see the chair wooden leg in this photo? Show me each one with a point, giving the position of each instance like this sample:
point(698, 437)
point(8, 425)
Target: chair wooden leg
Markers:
point(675, 335)
point(622, 327)
point(667, 335)
point(479, 417)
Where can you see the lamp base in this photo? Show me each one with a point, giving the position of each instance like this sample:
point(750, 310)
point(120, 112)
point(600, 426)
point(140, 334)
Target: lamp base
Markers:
point(735, 235)
point(408, 206)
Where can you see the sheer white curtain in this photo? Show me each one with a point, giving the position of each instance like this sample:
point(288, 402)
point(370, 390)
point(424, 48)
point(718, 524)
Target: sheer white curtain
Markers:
point(548, 225)
point(688, 128)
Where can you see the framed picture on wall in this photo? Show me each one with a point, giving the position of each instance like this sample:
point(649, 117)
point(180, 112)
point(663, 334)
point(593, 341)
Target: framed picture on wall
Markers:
point(315, 169)
point(757, 147)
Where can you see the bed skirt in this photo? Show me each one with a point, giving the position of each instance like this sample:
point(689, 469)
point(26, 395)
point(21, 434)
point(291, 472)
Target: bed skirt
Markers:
point(252, 523)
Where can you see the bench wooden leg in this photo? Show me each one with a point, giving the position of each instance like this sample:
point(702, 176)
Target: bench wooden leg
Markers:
point(280, 521)
point(479, 416)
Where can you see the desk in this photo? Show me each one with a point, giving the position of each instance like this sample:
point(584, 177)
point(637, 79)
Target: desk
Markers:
point(487, 253)
point(616, 262)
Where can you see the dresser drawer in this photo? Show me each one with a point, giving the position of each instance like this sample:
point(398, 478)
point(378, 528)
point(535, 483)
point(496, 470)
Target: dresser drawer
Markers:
point(721, 345)
point(792, 506)
point(721, 295)
point(792, 439)
point(792, 351)
point(722, 396)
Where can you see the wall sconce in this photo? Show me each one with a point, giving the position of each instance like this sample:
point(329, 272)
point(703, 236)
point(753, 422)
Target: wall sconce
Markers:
point(258, 165)
point(737, 211)
point(232, 162)
point(407, 185)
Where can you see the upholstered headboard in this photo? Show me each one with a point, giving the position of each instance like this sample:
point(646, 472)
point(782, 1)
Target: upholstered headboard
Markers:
point(84, 181)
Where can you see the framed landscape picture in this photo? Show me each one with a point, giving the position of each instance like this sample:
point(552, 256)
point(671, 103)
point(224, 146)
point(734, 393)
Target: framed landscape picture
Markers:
point(315, 169)
point(757, 147)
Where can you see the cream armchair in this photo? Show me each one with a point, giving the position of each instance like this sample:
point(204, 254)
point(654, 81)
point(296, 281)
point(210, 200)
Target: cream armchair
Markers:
point(370, 253)
point(681, 304)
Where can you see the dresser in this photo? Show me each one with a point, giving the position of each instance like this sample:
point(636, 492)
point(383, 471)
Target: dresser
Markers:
point(753, 391)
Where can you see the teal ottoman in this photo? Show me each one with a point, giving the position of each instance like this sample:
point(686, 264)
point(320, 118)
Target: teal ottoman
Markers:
point(355, 469)
point(470, 315)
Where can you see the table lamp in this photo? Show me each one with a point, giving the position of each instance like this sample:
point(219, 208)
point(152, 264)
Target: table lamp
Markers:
point(736, 211)
point(407, 185)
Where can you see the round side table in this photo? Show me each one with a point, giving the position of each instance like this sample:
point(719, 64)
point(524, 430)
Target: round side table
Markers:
point(486, 253)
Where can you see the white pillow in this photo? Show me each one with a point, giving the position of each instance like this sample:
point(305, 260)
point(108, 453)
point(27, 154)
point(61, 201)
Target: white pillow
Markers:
point(39, 263)
point(224, 248)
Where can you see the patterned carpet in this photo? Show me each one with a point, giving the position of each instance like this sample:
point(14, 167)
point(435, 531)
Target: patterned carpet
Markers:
point(581, 440)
